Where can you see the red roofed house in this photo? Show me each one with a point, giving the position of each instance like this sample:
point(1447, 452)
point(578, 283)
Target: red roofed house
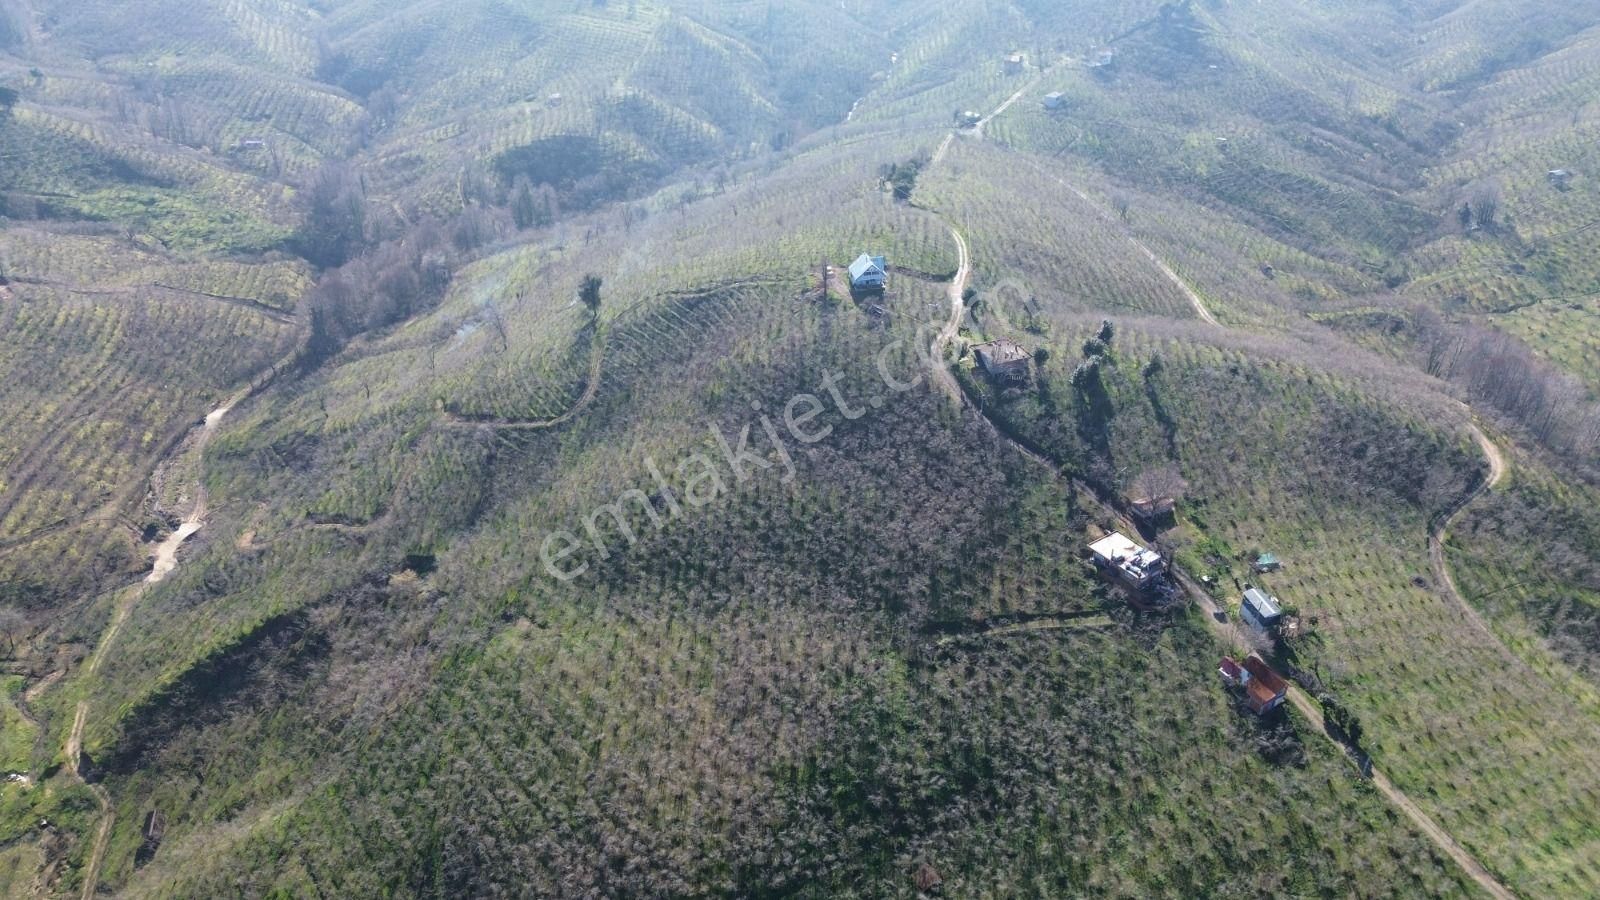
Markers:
point(1264, 689)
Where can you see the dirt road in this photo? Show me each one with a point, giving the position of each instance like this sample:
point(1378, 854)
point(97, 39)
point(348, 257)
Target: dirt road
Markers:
point(597, 355)
point(1229, 635)
point(1197, 302)
point(958, 309)
point(1436, 540)
point(166, 562)
point(983, 123)
point(977, 130)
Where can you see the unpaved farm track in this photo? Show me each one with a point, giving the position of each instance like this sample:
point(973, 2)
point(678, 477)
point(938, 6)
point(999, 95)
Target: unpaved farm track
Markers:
point(958, 309)
point(1227, 633)
point(1436, 540)
point(165, 563)
point(597, 355)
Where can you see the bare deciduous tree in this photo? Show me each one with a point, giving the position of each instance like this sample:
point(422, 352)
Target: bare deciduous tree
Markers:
point(12, 624)
point(1160, 483)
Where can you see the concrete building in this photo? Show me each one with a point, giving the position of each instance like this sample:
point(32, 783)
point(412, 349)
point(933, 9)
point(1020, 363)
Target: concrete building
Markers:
point(1137, 567)
point(1003, 359)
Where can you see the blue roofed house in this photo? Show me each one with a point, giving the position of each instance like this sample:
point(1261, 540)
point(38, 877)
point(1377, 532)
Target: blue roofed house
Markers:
point(869, 273)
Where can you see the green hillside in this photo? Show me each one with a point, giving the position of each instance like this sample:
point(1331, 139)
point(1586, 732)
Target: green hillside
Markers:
point(443, 454)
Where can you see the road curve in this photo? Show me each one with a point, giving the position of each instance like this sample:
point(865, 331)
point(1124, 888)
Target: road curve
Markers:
point(1436, 552)
point(596, 363)
point(1218, 620)
point(958, 309)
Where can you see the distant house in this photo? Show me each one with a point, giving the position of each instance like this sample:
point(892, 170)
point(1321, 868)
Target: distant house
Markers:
point(1267, 562)
point(1560, 179)
point(1002, 359)
point(1055, 100)
point(251, 144)
point(968, 118)
point(1260, 609)
point(869, 273)
point(1136, 566)
point(1015, 64)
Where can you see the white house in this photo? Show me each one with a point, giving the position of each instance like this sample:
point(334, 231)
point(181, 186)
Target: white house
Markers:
point(869, 273)
point(1136, 566)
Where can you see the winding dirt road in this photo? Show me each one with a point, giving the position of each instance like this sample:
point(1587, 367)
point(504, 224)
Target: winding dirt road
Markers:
point(165, 563)
point(958, 309)
point(1196, 302)
point(1436, 540)
point(1219, 621)
point(597, 355)
point(1312, 711)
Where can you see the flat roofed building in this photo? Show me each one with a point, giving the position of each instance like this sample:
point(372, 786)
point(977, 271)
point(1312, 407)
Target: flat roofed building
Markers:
point(1002, 358)
point(1136, 566)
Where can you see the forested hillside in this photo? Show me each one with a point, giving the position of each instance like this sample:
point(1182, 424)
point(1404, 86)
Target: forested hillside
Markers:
point(445, 454)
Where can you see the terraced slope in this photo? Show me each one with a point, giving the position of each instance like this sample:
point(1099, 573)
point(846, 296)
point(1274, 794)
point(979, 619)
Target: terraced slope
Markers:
point(488, 601)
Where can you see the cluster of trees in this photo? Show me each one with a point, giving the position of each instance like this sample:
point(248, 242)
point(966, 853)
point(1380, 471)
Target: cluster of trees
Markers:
point(1275, 738)
point(1481, 210)
point(533, 207)
point(1096, 352)
point(380, 270)
point(1162, 482)
point(149, 108)
point(1500, 371)
point(901, 177)
point(579, 171)
point(1542, 540)
point(335, 227)
point(394, 281)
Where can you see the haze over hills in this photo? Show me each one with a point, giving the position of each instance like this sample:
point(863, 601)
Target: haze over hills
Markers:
point(445, 454)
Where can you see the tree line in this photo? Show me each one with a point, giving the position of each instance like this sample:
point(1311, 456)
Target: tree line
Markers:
point(1498, 370)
